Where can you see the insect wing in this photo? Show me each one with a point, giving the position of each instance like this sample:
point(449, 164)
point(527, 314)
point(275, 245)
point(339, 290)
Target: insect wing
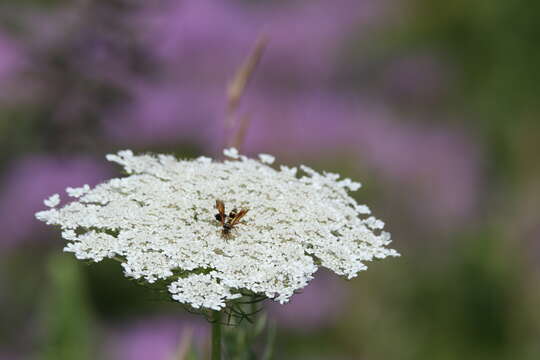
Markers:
point(239, 216)
point(220, 206)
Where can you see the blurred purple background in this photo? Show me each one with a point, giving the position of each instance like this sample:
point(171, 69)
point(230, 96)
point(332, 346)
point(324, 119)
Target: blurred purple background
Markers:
point(385, 92)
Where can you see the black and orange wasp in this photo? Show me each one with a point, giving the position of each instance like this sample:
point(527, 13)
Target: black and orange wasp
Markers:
point(228, 221)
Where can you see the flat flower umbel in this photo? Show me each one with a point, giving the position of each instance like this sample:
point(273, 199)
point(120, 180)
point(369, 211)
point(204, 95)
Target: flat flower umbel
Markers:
point(161, 222)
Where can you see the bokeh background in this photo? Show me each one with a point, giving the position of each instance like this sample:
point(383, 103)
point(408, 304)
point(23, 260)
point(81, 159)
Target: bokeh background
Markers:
point(432, 105)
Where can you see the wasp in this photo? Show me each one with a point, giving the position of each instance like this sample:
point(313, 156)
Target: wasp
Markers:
point(230, 220)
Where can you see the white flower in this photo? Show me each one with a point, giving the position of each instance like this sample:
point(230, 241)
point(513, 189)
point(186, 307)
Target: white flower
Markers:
point(160, 221)
point(201, 291)
point(232, 153)
point(78, 192)
point(52, 201)
point(266, 158)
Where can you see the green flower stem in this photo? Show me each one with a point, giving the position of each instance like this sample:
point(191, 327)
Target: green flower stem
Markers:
point(216, 335)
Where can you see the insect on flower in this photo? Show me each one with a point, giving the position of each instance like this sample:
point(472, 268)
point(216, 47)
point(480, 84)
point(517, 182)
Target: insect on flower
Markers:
point(228, 221)
point(311, 238)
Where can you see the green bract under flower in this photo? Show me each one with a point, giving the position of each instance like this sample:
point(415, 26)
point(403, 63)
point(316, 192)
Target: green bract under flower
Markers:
point(160, 221)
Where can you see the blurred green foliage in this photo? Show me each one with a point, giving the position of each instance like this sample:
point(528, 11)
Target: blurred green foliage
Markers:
point(493, 46)
point(67, 313)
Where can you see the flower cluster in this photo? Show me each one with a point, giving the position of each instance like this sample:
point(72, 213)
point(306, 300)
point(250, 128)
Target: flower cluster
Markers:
point(160, 221)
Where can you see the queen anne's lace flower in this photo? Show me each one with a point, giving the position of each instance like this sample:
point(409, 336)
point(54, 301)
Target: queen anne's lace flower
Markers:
point(160, 221)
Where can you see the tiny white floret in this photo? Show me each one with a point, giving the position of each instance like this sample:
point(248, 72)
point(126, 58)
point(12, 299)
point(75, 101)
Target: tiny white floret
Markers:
point(267, 159)
point(52, 201)
point(78, 192)
point(231, 153)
